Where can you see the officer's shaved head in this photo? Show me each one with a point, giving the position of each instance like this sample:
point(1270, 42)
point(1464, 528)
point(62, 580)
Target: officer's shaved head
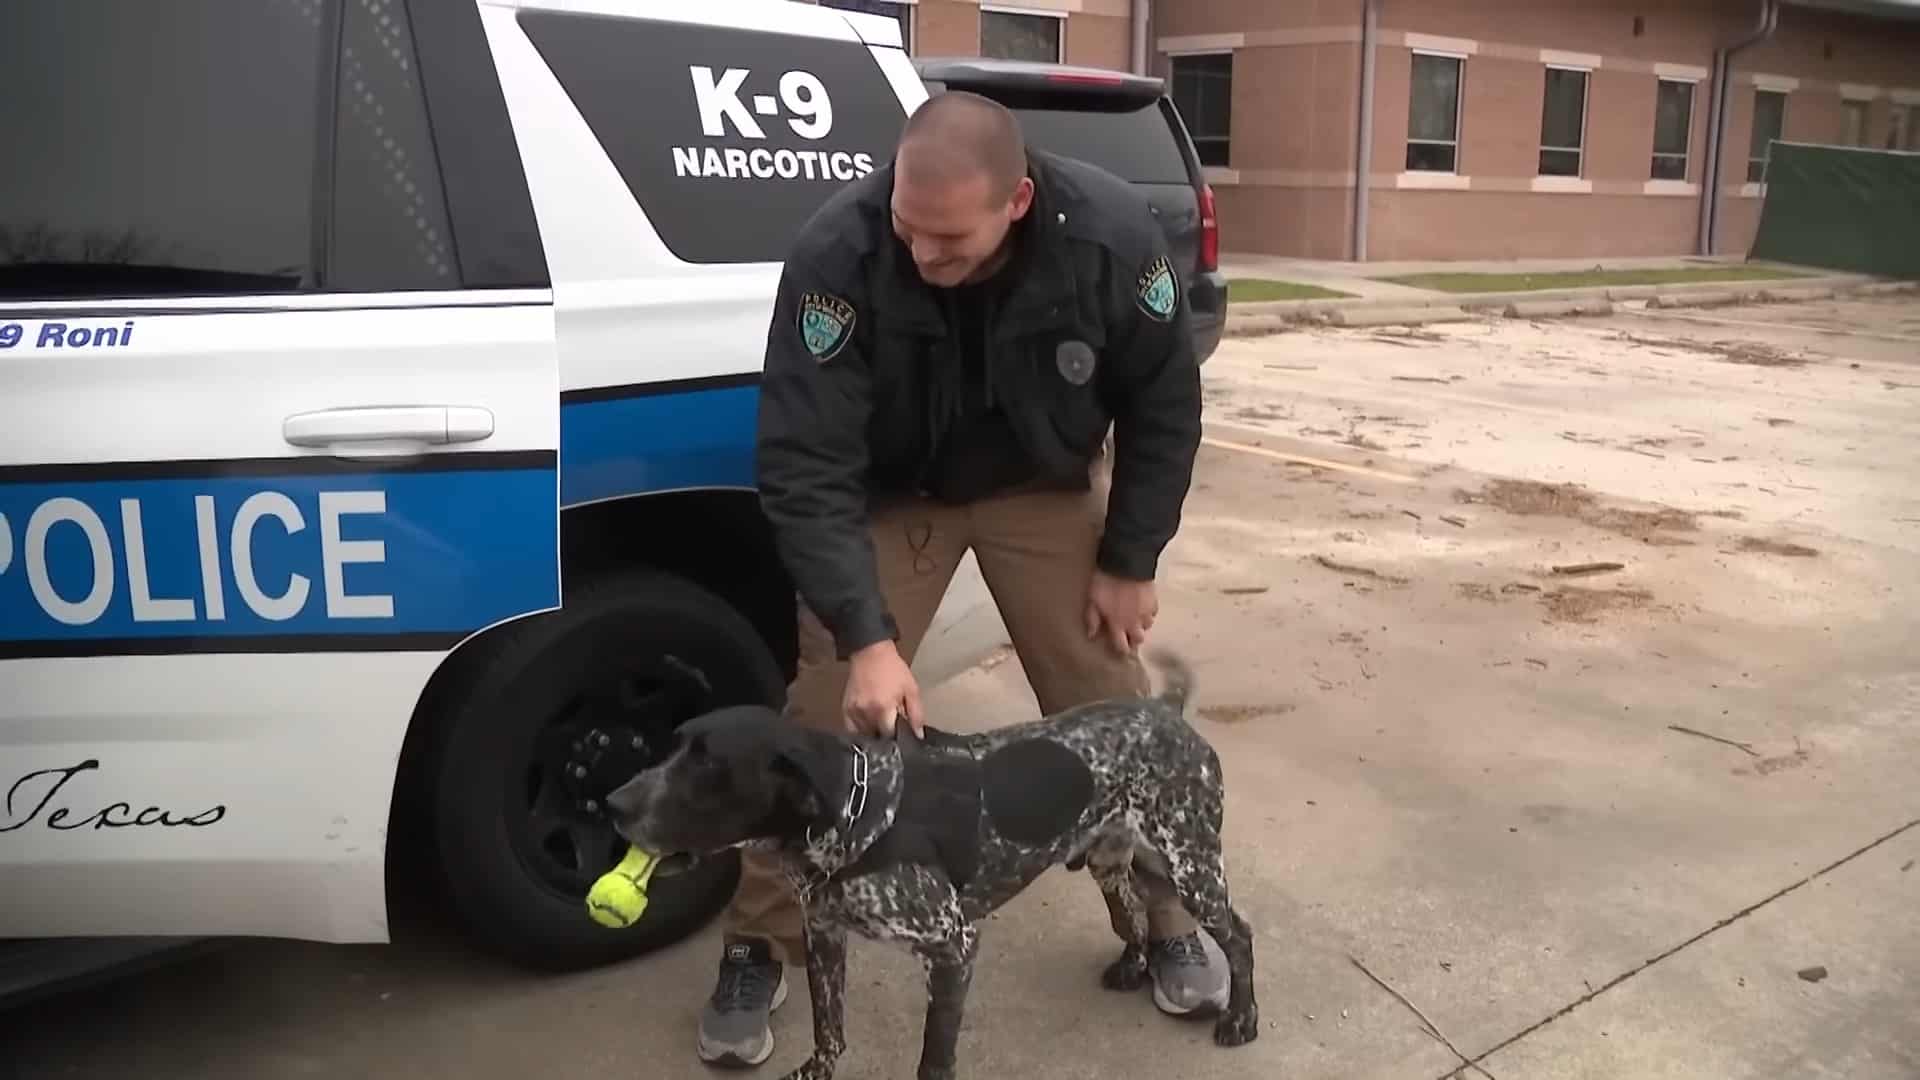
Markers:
point(960, 182)
point(956, 135)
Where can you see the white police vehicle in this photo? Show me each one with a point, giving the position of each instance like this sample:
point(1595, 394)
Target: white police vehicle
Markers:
point(340, 341)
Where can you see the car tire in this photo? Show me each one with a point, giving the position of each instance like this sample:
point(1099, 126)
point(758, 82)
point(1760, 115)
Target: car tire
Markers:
point(514, 862)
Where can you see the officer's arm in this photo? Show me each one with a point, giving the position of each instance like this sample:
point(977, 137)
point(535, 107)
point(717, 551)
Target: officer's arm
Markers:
point(1154, 388)
point(812, 454)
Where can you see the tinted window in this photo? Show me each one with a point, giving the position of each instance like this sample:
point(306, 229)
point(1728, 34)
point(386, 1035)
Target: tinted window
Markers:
point(159, 149)
point(1011, 35)
point(730, 139)
point(1203, 90)
point(219, 147)
point(1672, 124)
point(1433, 118)
point(486, 185)
point(1563, 124)
point(1769, 117)
point(1134, 143)
point(389, 227)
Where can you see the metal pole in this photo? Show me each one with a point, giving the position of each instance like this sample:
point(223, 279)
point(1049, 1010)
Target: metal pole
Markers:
point(1363, 149)
point(1142, 10)
point(1722, 83)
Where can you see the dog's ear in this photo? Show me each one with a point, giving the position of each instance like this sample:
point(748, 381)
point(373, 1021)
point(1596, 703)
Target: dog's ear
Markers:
point(814, 770)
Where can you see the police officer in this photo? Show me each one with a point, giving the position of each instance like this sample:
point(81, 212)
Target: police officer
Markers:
point(952, 338)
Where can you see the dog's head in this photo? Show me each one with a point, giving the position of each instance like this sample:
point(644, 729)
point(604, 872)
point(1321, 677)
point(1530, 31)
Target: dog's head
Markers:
point(735, 775)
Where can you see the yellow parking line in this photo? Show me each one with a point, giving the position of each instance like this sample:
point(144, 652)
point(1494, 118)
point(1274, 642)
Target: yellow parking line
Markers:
point(1301, 459)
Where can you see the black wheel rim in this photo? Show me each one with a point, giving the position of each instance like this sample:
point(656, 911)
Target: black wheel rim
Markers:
point(589, 743)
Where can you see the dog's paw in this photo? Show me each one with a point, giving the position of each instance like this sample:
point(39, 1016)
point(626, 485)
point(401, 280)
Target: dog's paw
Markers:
point(1127, 974)
point(1237, 1029)
point(931, 1072)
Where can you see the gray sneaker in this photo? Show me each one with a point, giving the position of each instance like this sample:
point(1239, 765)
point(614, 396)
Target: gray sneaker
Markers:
point(1188, 978)
point(734, 1028)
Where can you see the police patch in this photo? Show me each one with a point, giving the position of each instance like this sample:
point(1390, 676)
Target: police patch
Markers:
point(1075, 360)
point(826, 322)
point(1158, 290)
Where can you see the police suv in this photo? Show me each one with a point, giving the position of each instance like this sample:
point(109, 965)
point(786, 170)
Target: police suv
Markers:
point(340, 340)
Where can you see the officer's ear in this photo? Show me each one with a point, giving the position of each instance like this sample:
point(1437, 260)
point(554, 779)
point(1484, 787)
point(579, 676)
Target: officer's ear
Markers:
point(1021, 200)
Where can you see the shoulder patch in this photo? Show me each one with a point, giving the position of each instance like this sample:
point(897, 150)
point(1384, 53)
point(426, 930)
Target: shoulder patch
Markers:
point(826, 324)
point(1158, 289)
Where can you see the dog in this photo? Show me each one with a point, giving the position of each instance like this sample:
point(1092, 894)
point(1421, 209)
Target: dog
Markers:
point(913, 841)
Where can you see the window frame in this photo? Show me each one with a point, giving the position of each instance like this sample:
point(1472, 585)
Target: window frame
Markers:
point(1579, 151)
point(1059, 17)
point(1199, 140)
point(1459, 110)
point(1850, 108)
point(910, 26)
point(1765, 153)
point(1686, 143)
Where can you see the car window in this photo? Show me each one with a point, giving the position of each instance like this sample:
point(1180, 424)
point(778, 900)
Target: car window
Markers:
point(1133, 143)
point(168, 148)
point(389, 227)
point(729, 139)
point(187, 148)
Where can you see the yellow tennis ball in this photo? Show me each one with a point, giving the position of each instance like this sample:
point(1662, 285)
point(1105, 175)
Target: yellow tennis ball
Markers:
point(619, 897)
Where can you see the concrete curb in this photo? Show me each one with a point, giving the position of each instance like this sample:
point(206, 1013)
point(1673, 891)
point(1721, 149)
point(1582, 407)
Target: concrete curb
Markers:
point(1556, 309)
point(1887, 288)
point(1278, 316)
point(1796, 295)
point(1725, 298)
point(1397, 316)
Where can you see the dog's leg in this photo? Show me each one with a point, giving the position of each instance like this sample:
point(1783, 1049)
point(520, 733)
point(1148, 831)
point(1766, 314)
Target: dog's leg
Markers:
point(1197, 870)
point(1112, 870)
point(949, 967)
point(826, 984)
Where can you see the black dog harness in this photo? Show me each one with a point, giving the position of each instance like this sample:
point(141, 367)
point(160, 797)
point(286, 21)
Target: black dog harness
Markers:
point(952, 797)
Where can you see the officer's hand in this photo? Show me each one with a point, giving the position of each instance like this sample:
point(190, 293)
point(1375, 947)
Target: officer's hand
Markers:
point(1120, 611)
point(881, 687)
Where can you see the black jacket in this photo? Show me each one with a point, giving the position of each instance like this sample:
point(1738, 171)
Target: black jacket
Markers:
point(861, 379)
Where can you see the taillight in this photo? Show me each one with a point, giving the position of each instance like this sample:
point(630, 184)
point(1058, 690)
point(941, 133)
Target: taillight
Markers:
point(1090, 78)
point(1209, 230)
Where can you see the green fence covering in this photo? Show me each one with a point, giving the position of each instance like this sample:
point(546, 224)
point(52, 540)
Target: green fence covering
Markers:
point(1842, 208)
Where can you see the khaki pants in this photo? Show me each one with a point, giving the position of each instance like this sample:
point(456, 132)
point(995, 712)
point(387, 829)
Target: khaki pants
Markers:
point(1036, 552)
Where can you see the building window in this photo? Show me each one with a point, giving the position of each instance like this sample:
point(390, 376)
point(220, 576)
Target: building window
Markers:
point(1203, 94)
point(1021, 35)
point(1769, 117)
point(1903, 128)
point(1853, 123)
point(898, 11)
point(1672, 129)
point(1433, 121)
point(1563, 122)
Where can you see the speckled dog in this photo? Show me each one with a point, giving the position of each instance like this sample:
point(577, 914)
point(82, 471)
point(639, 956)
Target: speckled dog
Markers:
point(915, 841)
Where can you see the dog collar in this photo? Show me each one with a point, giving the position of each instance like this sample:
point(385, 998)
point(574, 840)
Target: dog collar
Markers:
point(856, 803)
point(866, 813)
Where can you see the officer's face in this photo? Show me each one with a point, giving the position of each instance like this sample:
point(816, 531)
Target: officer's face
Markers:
point(955, 228)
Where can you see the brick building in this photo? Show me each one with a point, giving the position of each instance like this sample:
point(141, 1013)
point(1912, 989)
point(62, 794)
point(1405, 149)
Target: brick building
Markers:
point(1492, 128)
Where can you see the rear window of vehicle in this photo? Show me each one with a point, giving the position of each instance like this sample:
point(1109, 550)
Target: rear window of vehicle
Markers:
point(1133, 143)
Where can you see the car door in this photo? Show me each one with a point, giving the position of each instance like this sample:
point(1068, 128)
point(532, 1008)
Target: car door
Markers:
point(278, 429)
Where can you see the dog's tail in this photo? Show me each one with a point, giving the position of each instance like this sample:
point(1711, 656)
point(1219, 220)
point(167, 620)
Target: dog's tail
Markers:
point(1176, 677)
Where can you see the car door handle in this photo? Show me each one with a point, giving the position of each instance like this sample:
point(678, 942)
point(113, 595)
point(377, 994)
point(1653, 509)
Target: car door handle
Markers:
point(433, 424)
